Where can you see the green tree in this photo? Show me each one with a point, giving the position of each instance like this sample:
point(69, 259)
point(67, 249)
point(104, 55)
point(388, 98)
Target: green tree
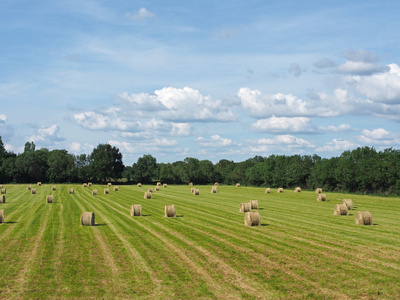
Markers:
point(31, 166)
point(61, 166)
point(82, 167)
point(145, 169)
point(106, 163)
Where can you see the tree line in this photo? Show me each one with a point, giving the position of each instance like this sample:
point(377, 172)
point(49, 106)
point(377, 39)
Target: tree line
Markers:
point(362, 170)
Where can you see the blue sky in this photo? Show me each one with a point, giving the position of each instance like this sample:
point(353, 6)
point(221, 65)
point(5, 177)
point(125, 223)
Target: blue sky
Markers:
point(205, 79)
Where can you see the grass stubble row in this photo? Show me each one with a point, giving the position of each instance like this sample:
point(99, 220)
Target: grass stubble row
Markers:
point(300, 250)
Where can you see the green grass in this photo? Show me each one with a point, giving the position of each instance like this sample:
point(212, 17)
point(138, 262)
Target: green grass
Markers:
point(300, 251)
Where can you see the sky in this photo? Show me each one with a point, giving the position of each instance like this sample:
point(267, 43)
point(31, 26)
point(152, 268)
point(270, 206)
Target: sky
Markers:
point(206, 79)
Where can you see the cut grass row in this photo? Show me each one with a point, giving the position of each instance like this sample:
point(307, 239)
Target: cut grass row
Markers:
point(301, 250)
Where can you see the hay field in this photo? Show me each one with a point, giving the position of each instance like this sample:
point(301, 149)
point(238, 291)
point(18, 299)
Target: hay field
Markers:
point(300, 251)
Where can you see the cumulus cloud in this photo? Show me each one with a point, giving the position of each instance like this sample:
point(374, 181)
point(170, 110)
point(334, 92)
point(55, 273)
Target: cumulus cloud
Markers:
point(140, 15)
point(283, 124)
point(361, 62)
point(337, 145)
point(281, 143)
point(361, 55)
point(215, 141)
point(46, 135)
point(78, 148)
point(332, 128)
point(295, 70)
point(380, 137)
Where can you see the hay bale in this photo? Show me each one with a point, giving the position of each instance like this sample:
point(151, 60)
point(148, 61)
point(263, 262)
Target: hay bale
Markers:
point(363, 218)
point(1, 186)
point(109, 184)
point(147, 195)
point(29, 187)
point(237, 184)
point(164, 185)
point(136, 210)
point(2, 217)
point(150, 189)
point(106, 191)
point(349, 203)
point(85, 185)
point(279, 190)
point(216, 183)
point(90, 184)
point(190, 183)
point(54, 188)
point(253, 204)
point(157, 188)
point(245, 207)
point(116, 189)
point(71, 191)
point(252, 219)
point(94, 192)
point(214, 189)
point(39, 183)
point(192, 190)
point(170, 211)
point(267, 190)
point(139, 185)
point(50, 199)
point(297, 190)
point(340, 210)
point(33, 191)
point(196, 192)
point(2, 199)
point(3, 191)
point(158, 183)
point(318, 190)
point(87, 219)
point(321, 197)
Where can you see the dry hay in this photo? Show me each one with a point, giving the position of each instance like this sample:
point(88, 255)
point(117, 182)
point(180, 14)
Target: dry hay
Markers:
point(85, 185)
point(190, 183)
point(340, 210)
point(87, 219)
point(109, 184)
point(192, 190)
point(214, 189)
point(363, 218)
point(164, 185)
point(157, 188)
point(318, 190)
point(106, 191)
point(3, 191)
point(116, 189)
point(94, 192)
point(136, 210)
point(196, 192)
point(297, 190)
point(321, 197)
point(237, 184)
point(150, 189)
point(1, 186)
point(54, 188)
point(2, 217)
point(90, 184)
point(50, 199)
point(29, 187)
point(267, 190)
point(33, 191)
point(245, 207)
point(252, 219)
point(158, 183)
point(147, 195)
point(216, 183)
point(253, 204)
point(71, 191)
point(170, 211)
point(2, 199)
point(279, 190)
point(139, 185)
point(39, 183)
point(349, 203)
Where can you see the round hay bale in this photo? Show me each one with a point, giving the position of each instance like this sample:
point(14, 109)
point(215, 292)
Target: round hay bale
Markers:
point(318, 190)
point(164, 185)
point(214, 189)
point(3, 191)
point(196, 192)
point(2, 199)
point(39, 183)
point(190, 183)
point(252, 219)
point(116, 189)
point(87, 219)
point(71, 191)
point(106, 191)
point(363, 218)
point(216, 183)
point(245, 207)
point(150, 190)
point(94, 192)
point(109, 184)
point(157, 188)
point(170, 211)
point(85, 185)
point(90, 184)
point(267, 190)
point(340, 210)
point(29, 187)
point(33, 191)
point(297, 190)
point(158, 183)
point(2, 217)
point(147, 195)
point(253, 204)
point(237, 184)
point(50, 199)
point(54, 188)
point(349, 203)
point(192, 190)
point(1, 186)
point(279, 190)
point(136, 210)
point(139, 185)
point(321, 197)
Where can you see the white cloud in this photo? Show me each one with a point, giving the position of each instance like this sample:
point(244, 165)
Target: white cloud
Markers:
point(78, 148)
point(107, 120)
point(181, 129)
point(361, 55)
point(324, 63)
point(332, 128)
point(281, 144)
point(361, 68)
point(380, 137)
point(140, 15)
point(283, 124)
point(216, 141)
point(337, 145)
point(46, 135)
point(3, 119)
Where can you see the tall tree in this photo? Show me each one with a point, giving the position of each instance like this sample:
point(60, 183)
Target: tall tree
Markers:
point(145, 169)
point(106, 162)
point(61, 166)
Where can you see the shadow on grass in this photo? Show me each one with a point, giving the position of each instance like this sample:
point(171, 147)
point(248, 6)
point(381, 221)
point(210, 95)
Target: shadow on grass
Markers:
point(10, 222)
point(180, 216)
point(101, 224)
point(264, 225)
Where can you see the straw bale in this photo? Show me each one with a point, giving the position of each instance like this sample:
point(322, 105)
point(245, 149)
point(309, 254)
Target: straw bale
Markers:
point(237, 184)
point(2, 199)
point(33, 191)
point(136, 210)
point(50, 199)
point(71, 191)
point(297, 190)
point(3, 191)
point(147, 195)
point(349, 203)
point(2, 217)
point(87, 219)
point(54, 188)
point(252, 219)
point(164, 185)
point(267, 190)
point(170, 211)
point(245, 207)
point(340, 210)
point(279, 190)
point(116, 189)
point(363, 218)
point(321, 197)
point(94, 192)
point(139, 185)
point(318, 190)
point(254, 204)
point(106, 191)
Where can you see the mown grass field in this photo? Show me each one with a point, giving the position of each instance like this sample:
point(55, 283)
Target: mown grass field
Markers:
point(300, 251)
